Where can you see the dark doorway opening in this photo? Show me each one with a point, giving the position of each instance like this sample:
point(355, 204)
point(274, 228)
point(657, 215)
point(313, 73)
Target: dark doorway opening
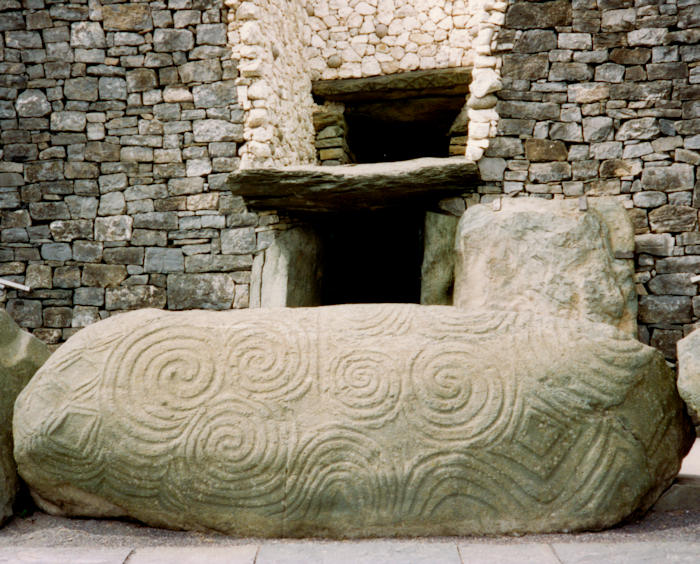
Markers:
point(398, 130)
point(371, 257)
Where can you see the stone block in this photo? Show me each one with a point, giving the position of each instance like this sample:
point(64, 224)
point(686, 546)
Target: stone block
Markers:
point(239, 241)
point(335, 422)
point(658, 244)
point(214, 130)
point(664, 309)
point(550, 172)
point(38, 276)
point(529, 15)
point(68, 121)
point(71, 229)
point(670, 218)
point(102, 151)
point(103, 275)
point(540, 150)
point(200, 291)
point(32, 103)
point(113, 87)
point(21, 355)
point(677, 284)
point(134, 297)
point(526, 67)
point(597, 129)
point(81, 88)
point(548, 257)
point(536, 41)
point(87, 251)
point(641, 128)
point(669, 178)
point(87, 35)
point(216, 94)
point(60, 252)
point(57, 317)
point(127, 17)
point(163, 260)
point(113, 228)
point(123, 255)
point(218, 263)
point(173, 40)
point(689, 373)
point(140, 80)
point(89, 296)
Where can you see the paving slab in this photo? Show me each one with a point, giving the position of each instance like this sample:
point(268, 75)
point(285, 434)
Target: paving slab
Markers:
point(628, 553)
point(359, 552)
point(47, 555)
point(195, 555)
point(507, 554)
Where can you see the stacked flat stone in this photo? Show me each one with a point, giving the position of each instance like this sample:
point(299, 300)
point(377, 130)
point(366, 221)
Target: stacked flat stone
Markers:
point(331, 135)
point(603, 99)
point(119, 127)
point(274, 89)
point(356, 38)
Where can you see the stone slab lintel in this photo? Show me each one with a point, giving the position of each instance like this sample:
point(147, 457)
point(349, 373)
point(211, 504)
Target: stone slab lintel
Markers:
point(364, 186)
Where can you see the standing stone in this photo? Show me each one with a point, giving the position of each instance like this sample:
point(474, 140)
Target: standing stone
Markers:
point(355, 420)
point(548, 257)
point(437, 269)
point(689, 373)
point(21, 355)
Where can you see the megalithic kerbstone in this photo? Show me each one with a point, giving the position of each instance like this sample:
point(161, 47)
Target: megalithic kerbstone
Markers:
point(21, 355)
point(347, 421)
point(549, 257)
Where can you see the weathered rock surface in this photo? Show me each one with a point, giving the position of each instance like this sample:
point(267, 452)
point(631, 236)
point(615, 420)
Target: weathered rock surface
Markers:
point(548, 257)
point(21, 355)
point(350, 421)
point(364, 186)
point(689, 373)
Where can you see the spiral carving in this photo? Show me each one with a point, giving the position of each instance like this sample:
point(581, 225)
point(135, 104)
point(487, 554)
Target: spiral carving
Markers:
point(178, 365)
point(270, 359)
point(240, 451)
point(459, 396)
point(365, 385)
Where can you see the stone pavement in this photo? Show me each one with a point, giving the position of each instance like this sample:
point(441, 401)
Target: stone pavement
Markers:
point(367, 552)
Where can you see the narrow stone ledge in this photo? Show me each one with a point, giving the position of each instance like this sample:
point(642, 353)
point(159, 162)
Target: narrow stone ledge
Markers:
point(364, 186)
point(452, 81)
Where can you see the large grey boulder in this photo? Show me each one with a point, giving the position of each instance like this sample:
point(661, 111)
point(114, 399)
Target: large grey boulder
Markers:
point(21, 355)
point(347, 421)
point(689, 373)
point(548, 257)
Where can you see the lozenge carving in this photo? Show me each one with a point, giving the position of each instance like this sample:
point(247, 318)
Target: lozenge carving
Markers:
point(345, 421)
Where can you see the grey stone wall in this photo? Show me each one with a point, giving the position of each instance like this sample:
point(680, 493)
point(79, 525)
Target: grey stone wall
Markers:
point(119, 127)
point(602, 98)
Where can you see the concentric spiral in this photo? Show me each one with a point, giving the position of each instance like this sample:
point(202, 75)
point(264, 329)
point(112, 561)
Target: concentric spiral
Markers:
point(155, 380)
point(365, 385)
point(460, 393)
point(239, 452)
point(270, 358)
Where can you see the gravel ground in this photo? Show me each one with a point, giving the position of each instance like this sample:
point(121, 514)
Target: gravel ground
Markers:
point(40, 529)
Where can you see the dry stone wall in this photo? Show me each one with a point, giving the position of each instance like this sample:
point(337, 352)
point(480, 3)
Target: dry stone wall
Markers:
point(120, 124)
point(269, 39)
point(602, 98)
point(356, 38)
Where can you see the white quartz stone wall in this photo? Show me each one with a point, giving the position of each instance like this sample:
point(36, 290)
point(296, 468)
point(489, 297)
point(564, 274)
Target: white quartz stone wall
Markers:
point(269, 38)
point(356, 38)
point(486, 77)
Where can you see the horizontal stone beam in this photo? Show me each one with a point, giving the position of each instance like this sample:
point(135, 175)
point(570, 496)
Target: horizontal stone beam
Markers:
point(401, 85)
point(346, 187)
